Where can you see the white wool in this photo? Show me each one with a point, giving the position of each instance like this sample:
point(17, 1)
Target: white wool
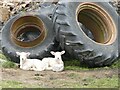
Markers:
point(30, 64)
point(56, 63)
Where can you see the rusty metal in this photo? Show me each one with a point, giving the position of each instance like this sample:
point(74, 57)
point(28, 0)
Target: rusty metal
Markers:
point(22, 25)
point(98, 21)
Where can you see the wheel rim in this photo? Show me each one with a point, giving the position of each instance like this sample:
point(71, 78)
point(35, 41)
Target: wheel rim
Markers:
point(28, 31)
point(98, 21)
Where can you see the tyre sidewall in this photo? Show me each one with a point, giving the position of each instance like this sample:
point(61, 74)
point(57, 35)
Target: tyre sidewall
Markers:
point(10, 48)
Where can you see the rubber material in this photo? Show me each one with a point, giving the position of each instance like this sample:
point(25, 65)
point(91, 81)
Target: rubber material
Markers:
point(74, 40)
point(1, 25)
point(9, 47)
point(118, 35)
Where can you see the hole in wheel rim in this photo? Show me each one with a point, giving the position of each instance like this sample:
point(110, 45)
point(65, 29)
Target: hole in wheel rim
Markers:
point(28, 31)
point(97, 22)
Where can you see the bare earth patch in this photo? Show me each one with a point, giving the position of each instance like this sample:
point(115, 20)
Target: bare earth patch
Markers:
point(50, 79)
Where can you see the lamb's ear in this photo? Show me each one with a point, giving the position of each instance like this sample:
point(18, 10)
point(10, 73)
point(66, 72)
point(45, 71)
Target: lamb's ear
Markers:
point(62, 52)
point(18, 53)
point(53, 53)
point(28, 53)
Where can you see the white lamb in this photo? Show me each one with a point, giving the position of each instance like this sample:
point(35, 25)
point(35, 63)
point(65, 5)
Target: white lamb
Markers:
point(56, 63)
point(30, 64)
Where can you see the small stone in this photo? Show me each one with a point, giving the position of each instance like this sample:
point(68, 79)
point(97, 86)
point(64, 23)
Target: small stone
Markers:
point(85, 84)
point(37, 74)
point(84, 79)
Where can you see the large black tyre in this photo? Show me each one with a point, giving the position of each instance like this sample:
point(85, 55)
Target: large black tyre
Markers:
point(1, 25)
point(28, 32)
point(119, 35)
point(100, 19)
point(118, 7)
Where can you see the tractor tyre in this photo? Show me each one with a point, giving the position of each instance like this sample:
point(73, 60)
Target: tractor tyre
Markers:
point(88, 31)
point(28, 32)
point(1, 25)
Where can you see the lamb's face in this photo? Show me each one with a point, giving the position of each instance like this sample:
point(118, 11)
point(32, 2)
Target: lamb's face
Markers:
point(23, 55)
point(58, 54)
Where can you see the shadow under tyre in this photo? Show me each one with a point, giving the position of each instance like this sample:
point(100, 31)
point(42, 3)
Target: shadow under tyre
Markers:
point(97, 48)
point(1, 25)
point(30, 32)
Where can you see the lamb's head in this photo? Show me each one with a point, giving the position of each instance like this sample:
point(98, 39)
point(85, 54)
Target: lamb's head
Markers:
point(57, 54)
point(23, 55)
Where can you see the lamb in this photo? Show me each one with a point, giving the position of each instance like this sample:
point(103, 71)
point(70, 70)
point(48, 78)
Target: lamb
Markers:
point(30, 64)
point(56, 63)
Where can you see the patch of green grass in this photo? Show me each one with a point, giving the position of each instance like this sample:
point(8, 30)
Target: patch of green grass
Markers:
point(9, 64)
point(2, 57)
point(89, 82)
point(75, 65)
point(16, 84)
point(101, 83)
point(73, 75)
point(116, 64)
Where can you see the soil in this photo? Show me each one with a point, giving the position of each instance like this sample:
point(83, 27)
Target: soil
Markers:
point(49, 78)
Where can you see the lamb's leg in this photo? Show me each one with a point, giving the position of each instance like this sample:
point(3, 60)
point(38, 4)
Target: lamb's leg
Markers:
point(58, 67)
point(35, 69)
point(32, 68)
point(48, 68)
point(38, 68)
point(26, 68)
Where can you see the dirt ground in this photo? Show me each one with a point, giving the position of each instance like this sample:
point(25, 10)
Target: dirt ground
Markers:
point(49, 79)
